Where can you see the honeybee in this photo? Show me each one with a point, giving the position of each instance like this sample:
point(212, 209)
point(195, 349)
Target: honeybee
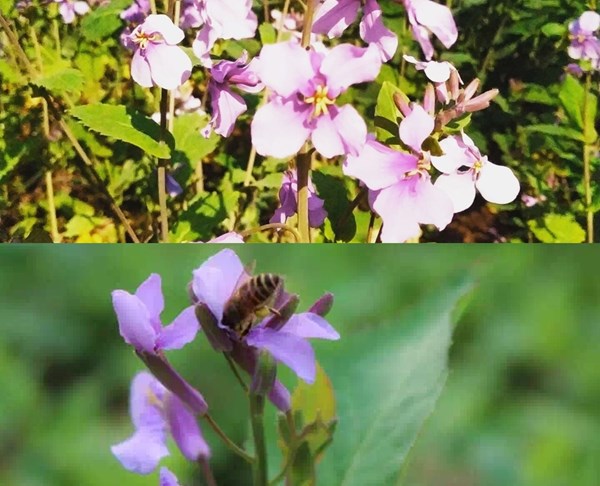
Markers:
point(250, 301)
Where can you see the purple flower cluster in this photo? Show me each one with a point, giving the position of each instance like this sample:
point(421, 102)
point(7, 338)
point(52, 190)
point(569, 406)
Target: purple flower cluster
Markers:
point(164, 404)
point(585, 45)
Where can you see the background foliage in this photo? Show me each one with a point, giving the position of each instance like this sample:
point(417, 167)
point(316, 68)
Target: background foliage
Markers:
point(520, 406)
point(534, 127)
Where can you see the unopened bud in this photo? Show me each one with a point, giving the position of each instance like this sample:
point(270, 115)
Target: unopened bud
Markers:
point(216, 336)
point(481, 102)
point(402, 102)
point(471, 89)
point(429, 99)
point(322, 306)
point(284, 312)
point(454, 84)
point(264, 374)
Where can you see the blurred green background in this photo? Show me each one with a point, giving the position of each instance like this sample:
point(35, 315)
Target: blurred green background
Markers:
point(521, 406)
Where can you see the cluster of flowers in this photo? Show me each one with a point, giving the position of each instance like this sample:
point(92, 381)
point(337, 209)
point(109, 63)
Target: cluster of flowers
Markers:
point(163, 402)
point(303, 86)
point(585, 46)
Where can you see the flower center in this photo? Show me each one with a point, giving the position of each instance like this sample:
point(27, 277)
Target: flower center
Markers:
point(477, 166)
point(142, 38)
point(320, 101)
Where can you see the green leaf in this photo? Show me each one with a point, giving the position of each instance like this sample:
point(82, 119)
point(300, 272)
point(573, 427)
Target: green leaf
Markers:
point(104, 20)
point(64, 81)
point(571, 98)
point(387, 113)
point(190, 146)
point(332, 190)
point(553, 29)
point(555, 130)
point(387, 381)
point(458, 124)
point(268, 35)
point(126, 124)
point(558, 228)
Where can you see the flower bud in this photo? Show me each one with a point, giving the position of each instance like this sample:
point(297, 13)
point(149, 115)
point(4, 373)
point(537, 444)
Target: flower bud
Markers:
point(284, 312)
point(471, 89)
point(401, 101)
point(264, 374)
point(454, 84)
point(429, 99)
point(480, 102)
point(322, 306)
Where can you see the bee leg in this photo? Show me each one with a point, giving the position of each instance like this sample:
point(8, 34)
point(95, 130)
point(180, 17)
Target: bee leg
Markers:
point(274, 311)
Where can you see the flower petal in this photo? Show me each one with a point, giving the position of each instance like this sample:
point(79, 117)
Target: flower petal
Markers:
point(459, 187)
point(334, 16)
point(145, 397)
point(140, 70)
point(346, 64)
point(416, 127)
point(170, 65)
point(279, 129)
point(181, 331)
point(434, 206)
point(309, 325)
point(396, 206)
point(284, 67)
point(280, 397)
point(167, 478)
point(227, 106)
point(185, 430)
point(215, 280)
point(134, 321)
point(455, 155)
point(150, 293)
point(165, 27)
point(438, 19)
point(291, 350)
point(341, 132)
point(373, 31)
point(497, 184)
point(142, 452)
point(379, 166)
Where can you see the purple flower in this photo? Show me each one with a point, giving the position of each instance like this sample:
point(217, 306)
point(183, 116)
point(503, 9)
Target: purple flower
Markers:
point(304, 86)
point(584, 43)
point(157, 59)
point(334, 16)
point(190, 15)
point(288, 197)
point(68, 9)
point(167, 478)
point(222, 19)
point(226, 105)
point(228, 238)
point(426, 17)
point(155, 412)
point(137, 12)
point(495, 183)
point(214, 283)
point(139, 319)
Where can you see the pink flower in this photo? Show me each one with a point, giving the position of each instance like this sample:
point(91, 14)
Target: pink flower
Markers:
point(288, 198)
point(400, 188)
point(426, 17)
point(68, 9)
point(157, 59)
point(495, 183)
point(304, 86)
point(223, 19)
point(334, 16)
point(226, 105)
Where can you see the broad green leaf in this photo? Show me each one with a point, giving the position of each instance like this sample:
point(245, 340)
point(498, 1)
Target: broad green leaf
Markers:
point(190, 146)
point(333, 191)
point(104, 20)
point(268, 35)
point(387, 113)
point(124, 124)
point(387, 380)
point(556, 130)
point(558, 228)
point(575, 101)
point(554, 29)
point(458, 124)
point(64, 81)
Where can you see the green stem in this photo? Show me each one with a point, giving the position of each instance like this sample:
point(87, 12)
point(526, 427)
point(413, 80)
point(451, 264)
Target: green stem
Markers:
point(236, 372)
point(587, 184)
point(259, 467)
point(162, 171)
point(52, 208)
point(207, 472)
point(227, 441)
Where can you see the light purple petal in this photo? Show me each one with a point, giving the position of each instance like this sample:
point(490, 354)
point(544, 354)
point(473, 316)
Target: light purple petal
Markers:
point(81, 8)
point(284, 67)
point(497, 184)
point(233, 19)
point(455, 156)
point(309, 325)
point(343, 132)
point(165, 27)
point(279, 128)
point(396, 206)
point(379, 166)
point(434, 206)
point(145, 399)
point(181, 331)
point(460, 187)
point(227, 107)
point(142, 452)
point(167, 478)
point(215, 280)
point(334, 16)
point(416, 127)
point(373, 31)
point(589, 21)
point(134, 321)
point(185, 430)
point(227, 238)
point(291, 350)
point(438, 19)
point(204, 42)
point(67, 12)
point(150, 293)
point(346, 64)
point(140, 70)
point(280, 397)
point(170, 65)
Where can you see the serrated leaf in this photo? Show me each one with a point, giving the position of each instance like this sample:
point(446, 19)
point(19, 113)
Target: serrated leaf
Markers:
point(126, 124)
point(64, 81)
point(333, 191)
point(386, 112)
point(103, 21)
point(558, 228)
point(387, 380)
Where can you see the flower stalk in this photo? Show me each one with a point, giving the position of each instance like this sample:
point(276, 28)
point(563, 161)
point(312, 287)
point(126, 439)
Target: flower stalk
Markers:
point(587, 187)
point(259, 467)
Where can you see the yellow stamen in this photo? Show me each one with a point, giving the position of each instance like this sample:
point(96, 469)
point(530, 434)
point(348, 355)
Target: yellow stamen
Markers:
point(142, 39)
point(320, 101)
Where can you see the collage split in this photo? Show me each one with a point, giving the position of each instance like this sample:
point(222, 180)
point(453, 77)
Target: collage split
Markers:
point(244, 243)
